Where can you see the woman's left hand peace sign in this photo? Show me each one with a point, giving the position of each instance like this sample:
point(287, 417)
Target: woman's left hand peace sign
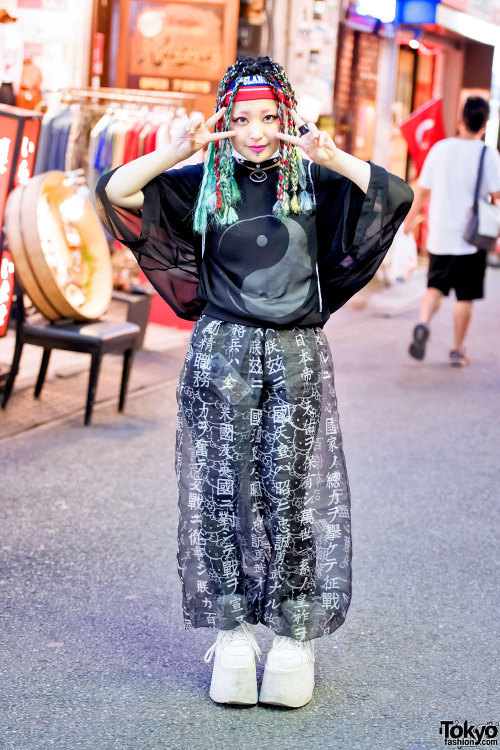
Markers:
point(317, 144)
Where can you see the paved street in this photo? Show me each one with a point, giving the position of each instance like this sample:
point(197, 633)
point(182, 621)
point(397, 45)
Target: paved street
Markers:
point(95, 654)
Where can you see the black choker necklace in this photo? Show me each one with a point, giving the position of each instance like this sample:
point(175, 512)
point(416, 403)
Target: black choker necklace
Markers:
point(258, 171)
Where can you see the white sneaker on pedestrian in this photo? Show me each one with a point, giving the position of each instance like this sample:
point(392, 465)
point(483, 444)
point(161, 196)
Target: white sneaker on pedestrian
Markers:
point(289, 673)
point(234, 678)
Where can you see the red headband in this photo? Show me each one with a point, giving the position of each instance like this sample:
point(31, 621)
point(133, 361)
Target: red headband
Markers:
point(252, 87)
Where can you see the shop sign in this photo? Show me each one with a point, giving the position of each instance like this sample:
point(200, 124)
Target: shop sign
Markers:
point(457, 4)
point(26, 160)
point(176, 47)
point(8, 135)
point(98, 54)
point(43, 4)
point(12, 119)
point(6, 289)
point(383, 10)
point(488, 10)
point(416, 11)
point(19, 130)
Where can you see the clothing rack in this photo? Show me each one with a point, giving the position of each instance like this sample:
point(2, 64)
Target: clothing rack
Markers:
point(71, 139)
point(133, 96)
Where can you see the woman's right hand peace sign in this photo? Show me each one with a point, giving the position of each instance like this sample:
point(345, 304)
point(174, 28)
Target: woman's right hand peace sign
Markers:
point(197, 134)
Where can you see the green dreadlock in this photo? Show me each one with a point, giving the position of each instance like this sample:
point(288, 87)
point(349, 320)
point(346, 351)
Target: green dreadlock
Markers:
point(219, 193)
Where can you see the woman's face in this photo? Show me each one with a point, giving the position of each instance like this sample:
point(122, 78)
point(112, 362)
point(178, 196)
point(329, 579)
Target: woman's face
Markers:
point(256, 124)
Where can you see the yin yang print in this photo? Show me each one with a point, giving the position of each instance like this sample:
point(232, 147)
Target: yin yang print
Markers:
point(261, 271)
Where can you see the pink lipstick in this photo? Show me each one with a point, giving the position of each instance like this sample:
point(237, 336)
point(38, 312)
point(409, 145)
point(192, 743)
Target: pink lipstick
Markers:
point(257, 149)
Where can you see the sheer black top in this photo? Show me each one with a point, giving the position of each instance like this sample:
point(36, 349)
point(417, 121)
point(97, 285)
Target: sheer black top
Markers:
point(260, 270)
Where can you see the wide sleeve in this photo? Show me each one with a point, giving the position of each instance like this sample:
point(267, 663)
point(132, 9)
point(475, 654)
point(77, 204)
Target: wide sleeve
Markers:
point(355, 230)
point(161, 235)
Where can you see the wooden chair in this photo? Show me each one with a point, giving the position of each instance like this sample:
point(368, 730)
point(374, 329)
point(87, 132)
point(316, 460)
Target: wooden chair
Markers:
point(96, 338)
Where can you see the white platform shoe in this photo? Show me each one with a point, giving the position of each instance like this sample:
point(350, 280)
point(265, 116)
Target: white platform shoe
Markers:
point(234, 678)
point(289, 673)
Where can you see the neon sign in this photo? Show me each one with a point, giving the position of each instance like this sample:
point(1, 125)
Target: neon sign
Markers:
point(384, 10)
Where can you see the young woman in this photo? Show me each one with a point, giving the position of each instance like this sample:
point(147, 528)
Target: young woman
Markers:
point(259, 246)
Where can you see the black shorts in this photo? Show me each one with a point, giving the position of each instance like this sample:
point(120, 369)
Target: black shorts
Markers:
point(463, 273)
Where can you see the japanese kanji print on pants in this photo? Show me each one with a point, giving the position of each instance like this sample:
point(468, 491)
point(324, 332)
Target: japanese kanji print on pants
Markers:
point(264, 505)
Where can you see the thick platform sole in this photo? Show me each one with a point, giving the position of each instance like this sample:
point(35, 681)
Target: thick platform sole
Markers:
point(292, 689)
point(237, 685)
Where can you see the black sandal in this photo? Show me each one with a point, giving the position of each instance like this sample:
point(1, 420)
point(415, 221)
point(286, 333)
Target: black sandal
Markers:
point(420, 336)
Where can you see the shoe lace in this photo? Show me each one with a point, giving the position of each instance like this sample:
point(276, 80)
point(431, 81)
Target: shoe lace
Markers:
point(283, 641)
point(243, 630)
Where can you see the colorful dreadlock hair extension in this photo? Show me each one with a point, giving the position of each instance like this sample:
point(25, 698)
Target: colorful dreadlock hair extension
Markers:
point(219, 192)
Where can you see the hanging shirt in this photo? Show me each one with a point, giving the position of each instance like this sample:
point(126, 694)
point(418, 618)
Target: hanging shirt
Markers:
point(120, 136)
point(163, 136)
point(133, 152)
point(145, 131)
point(150, 139)
point(108, 151)
point(92, 173)
point(59, 134)
point(77, 151)
point(348, 235)
point(42, 152)
point(129, 139)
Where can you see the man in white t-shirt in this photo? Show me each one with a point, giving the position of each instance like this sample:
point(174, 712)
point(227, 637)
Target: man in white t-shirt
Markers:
point(449, 177)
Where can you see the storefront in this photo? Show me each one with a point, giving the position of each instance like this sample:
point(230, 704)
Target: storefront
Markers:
point(120, 79)
point(180, 47)
point(56, 36)
point(393, 57)
point(356, 83)
point(448, 55)
point(304, 41)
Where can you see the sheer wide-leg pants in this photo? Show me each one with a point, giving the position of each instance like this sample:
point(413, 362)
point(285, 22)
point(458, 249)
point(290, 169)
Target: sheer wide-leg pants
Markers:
point(264, 508)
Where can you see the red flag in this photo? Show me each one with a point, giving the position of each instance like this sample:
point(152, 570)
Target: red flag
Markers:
point(422, 130)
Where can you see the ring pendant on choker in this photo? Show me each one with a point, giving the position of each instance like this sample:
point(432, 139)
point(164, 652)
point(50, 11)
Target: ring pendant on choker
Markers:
point(258, 172)
point(258, 175)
